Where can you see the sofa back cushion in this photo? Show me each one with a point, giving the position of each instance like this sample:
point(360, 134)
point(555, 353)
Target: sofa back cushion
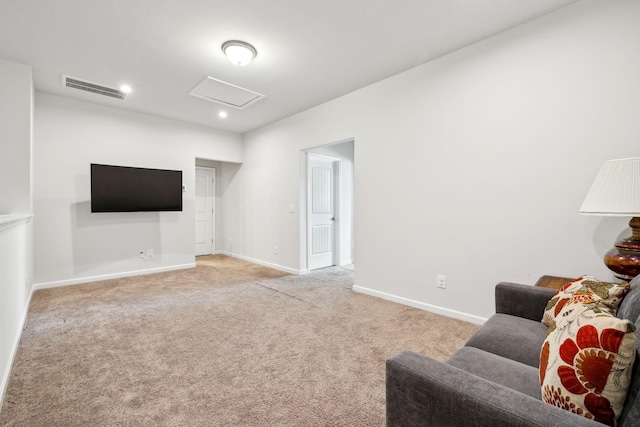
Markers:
point(630, 309)
point(630, 306)
point(631, 414)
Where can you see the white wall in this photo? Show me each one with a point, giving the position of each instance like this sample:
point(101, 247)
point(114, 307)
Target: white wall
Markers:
point(232, 191)
point(472, 166)
point(16, 265)
point(73, 245)
point(15, 291)
point(16, 94)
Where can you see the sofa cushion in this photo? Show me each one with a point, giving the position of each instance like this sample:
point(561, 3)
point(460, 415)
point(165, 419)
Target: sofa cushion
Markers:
point(512, 337)
point(630, 306)
point(585, 290)
point(509, 373)
point(586, 362)
point(631, 413)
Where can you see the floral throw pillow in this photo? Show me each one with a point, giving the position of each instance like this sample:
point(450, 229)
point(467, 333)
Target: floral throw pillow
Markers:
point(586, 362)
point(586, 290)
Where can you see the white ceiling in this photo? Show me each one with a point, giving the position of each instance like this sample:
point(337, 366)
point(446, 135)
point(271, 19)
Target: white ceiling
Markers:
point(309, 51)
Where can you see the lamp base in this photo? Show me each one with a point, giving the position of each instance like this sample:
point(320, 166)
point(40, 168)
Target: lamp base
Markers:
point(624, 259)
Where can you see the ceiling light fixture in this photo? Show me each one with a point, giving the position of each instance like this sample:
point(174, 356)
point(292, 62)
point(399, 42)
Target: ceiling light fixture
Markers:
point(239, 52)
point(222, 114)
point(125, 88)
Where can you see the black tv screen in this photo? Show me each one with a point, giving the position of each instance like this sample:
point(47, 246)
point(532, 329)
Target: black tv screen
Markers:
point(128, 189)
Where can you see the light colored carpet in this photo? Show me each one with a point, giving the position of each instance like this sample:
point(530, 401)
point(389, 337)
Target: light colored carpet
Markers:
point(228, 343)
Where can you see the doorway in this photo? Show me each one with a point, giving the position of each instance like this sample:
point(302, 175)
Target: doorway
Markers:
point(205, 210)
point(329, 202)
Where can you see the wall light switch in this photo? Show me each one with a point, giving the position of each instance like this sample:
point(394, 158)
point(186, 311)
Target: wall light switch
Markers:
point(292, 208)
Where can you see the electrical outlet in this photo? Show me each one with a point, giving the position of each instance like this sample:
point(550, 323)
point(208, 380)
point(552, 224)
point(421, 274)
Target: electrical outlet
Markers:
point(275, 250)
point(149, 253)
point(442, 281)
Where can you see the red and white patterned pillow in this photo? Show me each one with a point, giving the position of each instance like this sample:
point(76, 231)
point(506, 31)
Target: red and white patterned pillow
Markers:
point(586, 290)
point(586, 362)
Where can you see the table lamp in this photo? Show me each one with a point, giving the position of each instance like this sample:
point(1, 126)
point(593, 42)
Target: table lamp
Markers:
point(616, 192)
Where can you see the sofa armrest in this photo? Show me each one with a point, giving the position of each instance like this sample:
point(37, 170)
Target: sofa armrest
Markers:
point(522, 300)
point(424, 392)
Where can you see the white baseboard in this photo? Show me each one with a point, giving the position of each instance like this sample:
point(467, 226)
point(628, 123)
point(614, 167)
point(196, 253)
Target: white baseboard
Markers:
point(266, 264)
point(88, 279)
point(422, 306)
point(14, 348)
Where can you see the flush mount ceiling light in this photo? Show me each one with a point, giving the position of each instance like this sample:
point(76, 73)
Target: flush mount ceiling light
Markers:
point(239, 52)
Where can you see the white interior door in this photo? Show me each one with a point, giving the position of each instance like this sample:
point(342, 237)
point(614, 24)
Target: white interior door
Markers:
point(322, 219)
point(205, 210)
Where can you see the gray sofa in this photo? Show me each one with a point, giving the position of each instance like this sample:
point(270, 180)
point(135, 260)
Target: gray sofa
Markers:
point(494, 379)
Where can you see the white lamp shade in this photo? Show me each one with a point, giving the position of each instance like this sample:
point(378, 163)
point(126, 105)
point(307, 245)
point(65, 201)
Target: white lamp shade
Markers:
point(616, 190)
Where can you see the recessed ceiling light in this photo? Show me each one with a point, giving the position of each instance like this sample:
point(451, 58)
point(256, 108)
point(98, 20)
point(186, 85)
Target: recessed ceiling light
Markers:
point(239, 52)
point(125, 88)
point(222, 114)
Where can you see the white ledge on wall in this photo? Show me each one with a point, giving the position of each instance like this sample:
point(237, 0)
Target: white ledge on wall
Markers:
point(11, 220)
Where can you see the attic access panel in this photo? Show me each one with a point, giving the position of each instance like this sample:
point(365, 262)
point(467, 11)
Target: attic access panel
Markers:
point(224, 93)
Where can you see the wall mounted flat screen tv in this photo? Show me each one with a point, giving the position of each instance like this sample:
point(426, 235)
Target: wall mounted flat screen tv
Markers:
point(129, 189)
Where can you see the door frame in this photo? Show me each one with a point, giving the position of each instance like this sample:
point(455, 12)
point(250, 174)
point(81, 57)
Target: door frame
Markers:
point(213, 206)
point(335, 241)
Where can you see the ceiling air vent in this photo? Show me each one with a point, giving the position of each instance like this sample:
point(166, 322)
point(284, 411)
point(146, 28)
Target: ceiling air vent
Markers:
point(224, 93)
point(74, 83)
